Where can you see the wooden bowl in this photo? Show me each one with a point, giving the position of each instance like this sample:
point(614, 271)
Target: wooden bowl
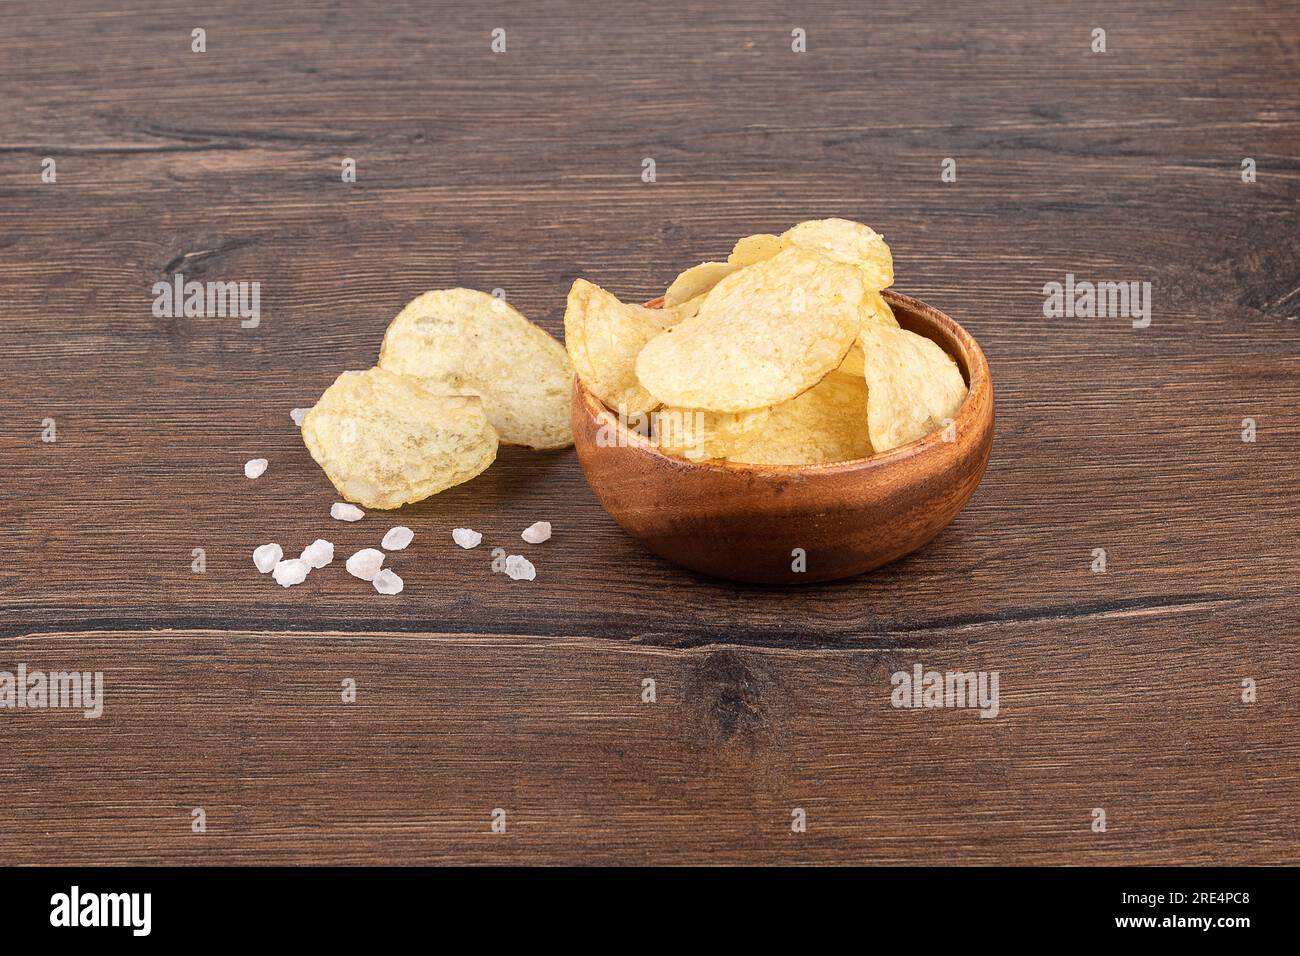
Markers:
point(745, 522)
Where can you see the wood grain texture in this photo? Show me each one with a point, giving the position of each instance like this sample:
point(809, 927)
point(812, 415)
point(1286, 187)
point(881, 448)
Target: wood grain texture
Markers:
point(522, 171)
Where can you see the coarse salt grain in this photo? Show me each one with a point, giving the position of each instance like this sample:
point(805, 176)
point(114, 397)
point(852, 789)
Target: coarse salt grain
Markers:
point(537, 532)
point(466, 537)
point(298, 414)
point(254, 467)
point(386, 582)
point(346, 512)
point(520, 568)
point(365, 564)
point(398, 538)
point(267, 556)
point(319, 553)
point(291, 572)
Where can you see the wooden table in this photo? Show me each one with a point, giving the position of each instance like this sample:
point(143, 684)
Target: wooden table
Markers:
point(1119, 691)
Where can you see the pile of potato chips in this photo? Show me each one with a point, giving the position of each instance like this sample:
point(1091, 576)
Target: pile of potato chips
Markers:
point(459, 373)
point(785, 354)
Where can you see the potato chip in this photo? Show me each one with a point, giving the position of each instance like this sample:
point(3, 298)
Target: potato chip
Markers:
point(827, 423)
point(674, 314)
point(698, 434)
point(913, 386)
point(696, 280)
point(385, 441)
point(762, 336)
point(854, 362)
point(850, 242)
point(464, 342)
point(876, 308)
point(753, 249)
point(603, 336)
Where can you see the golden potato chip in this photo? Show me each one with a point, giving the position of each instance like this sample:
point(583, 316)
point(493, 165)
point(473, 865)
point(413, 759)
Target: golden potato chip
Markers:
point(913, 386)
point(827, 423)
point(876, 308)
point(698, 434)
point(753, 249)
point(847, 241)
point(696, 281)
point(854, 362)
point(674, 314)
point(464, 342)
point(762, 336)
point(603, 336)
point(385, 441)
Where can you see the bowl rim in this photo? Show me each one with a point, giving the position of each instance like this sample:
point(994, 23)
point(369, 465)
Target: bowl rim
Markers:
point(979, 381)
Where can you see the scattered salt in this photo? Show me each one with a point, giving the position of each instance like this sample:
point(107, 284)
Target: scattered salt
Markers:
point(520, 568)
point(346, 512)
point(267, 556)
point(254, 467)
point(537, 533)
point(298, 414)
point(291, 572)
point(398, 538)
point(319, 553)
point(466, 537)
point(365, 564)
point(386, 582)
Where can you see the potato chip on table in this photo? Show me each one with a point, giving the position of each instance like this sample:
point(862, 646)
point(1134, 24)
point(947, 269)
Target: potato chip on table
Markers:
point(465, 342)
point(913, 385)
point(762, 335)
point(384, 441)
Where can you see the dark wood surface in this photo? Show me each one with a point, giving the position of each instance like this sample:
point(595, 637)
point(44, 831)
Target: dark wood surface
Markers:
point(521, 171)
